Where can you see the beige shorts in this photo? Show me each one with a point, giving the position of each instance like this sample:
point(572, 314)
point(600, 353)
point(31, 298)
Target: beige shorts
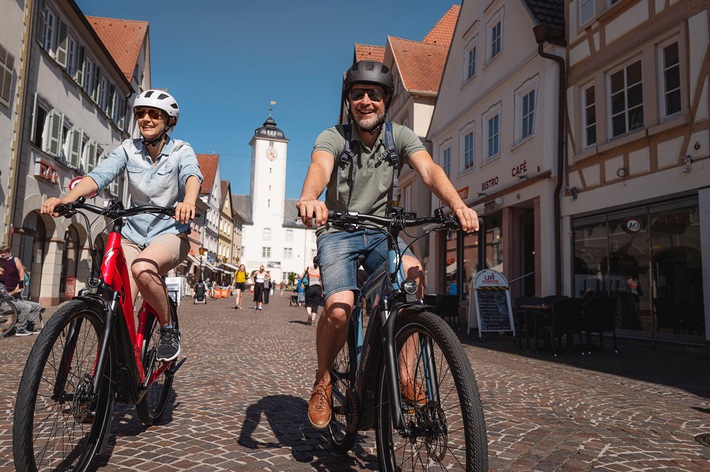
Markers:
point(176, 248)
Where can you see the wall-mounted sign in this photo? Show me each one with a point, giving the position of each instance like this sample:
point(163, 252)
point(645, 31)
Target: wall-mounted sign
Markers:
point(632, 225)
point(463, 193)
point(44, 170)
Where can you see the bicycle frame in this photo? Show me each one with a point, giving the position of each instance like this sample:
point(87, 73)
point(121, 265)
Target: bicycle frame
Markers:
point(381, 291)
point(111, 292)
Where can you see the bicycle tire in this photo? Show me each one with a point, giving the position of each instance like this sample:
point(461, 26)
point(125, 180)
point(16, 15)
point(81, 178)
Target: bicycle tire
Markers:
point(341, 429)
point(8, 317)
point(152, 406)
point(57, 426)
point(448, 426)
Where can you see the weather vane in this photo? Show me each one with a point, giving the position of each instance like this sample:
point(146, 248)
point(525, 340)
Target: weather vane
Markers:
point(271, 104)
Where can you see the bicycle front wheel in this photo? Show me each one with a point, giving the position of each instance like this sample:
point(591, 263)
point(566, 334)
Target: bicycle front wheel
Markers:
point(441, 405)
point(8, 317)
point(59, 424)
point(152, 406)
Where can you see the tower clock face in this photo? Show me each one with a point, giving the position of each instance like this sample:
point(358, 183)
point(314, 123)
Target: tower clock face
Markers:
point(271, 153)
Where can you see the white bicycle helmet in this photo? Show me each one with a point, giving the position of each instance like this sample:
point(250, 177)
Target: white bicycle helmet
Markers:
point(158, 99)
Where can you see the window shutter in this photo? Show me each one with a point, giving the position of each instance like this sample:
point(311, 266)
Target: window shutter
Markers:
point(62, 38)
point(51, 144)
point(8, 63)
point(39, 32)
point(90, 156)
point(77, 137)
point(79, 76)
point(34, 118)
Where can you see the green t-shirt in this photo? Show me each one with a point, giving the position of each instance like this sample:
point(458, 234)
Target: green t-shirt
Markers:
point(370, 189)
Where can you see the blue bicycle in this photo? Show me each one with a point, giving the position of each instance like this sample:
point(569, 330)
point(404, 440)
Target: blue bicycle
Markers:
point(402, 370)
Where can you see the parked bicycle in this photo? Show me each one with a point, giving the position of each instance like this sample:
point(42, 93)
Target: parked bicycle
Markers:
point(89, 355)
point(8, 317)
point(439, 424)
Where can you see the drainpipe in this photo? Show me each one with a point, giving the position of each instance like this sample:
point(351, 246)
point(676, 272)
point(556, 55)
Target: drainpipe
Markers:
point(544, 33)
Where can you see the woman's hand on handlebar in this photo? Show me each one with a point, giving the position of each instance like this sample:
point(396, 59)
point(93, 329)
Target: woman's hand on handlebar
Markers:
point(312, 212)
point(50, 204)
point(467, 217)
point(184, 212)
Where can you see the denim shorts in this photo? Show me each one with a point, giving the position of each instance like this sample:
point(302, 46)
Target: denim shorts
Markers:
point(338, 255)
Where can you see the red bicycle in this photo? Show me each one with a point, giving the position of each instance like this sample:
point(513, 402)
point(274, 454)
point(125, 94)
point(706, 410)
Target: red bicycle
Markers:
point(89, 355)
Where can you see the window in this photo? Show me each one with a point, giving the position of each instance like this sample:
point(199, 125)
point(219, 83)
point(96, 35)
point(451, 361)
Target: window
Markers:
point(103, 94)
point(288, 253)
point(7, 64)
point(495, 35)
point(48, 25)
point(491, 133)
point(470, 53)
point(590, 116)
point(289, 235)
point(39, 120)
point(528, 123)
point(525, 104)
point(267, 234)
point(265, 252)
point(71, 56)
point(626, 88)
point(446, 160)
point(586, 11)
point(468, 151)
point(670, 61)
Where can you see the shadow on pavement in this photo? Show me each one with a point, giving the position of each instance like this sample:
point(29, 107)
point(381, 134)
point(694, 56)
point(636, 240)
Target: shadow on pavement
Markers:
point(686, 370)
point(286, 416)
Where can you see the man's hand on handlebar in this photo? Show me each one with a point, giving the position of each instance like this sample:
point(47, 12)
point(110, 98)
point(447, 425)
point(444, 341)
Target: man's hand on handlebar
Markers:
point(313, 213)
point(468, 218)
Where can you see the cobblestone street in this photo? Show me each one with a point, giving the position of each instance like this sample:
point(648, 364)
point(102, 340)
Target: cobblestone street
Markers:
point(240, 403)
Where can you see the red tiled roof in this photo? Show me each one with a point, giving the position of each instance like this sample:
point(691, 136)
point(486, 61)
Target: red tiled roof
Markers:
point(208, 167)
point(368, 52)
point(443, 31)
point(123, 39)
point(420, 64)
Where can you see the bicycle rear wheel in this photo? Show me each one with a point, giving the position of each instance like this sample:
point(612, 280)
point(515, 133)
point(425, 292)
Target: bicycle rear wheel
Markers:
point(8, 317)
point(58, 425)
point(443, 410)
point(152, 406)
point(344, 410)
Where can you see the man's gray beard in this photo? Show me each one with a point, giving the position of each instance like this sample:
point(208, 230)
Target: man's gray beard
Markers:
point(369, 125)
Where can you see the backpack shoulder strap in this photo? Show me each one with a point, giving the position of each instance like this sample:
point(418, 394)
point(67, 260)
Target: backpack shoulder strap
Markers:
point(393, 159)
point(346, 155)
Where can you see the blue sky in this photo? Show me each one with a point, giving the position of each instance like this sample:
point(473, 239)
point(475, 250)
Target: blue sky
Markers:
point(224, 61)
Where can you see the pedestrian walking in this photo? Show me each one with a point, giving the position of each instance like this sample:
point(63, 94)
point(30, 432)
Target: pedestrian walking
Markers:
point(240, 285)
point(314, 291)
point(259, 279)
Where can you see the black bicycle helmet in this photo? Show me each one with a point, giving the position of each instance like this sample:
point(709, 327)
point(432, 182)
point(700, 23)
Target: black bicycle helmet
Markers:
point(369, 72)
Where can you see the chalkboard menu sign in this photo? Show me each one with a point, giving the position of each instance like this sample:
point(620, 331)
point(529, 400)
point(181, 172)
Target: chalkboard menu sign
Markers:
point(492, 302)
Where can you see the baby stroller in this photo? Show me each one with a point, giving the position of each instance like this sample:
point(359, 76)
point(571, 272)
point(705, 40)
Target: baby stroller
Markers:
point(200, 295)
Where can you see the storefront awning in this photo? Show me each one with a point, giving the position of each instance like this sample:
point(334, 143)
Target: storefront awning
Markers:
point(230, 266)
point(194, 259)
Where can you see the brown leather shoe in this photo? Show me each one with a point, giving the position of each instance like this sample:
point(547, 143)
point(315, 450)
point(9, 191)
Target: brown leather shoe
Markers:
point(413, 392)
point(319, 406)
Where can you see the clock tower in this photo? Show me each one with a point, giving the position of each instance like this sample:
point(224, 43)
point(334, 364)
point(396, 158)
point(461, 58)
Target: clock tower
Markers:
point(268, 175)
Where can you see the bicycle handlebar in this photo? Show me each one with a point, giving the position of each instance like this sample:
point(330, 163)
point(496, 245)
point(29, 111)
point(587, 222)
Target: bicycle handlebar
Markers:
point(353, 219)
point(114, 209)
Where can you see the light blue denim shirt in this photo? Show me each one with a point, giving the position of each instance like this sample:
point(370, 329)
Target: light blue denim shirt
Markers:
point(162, 184)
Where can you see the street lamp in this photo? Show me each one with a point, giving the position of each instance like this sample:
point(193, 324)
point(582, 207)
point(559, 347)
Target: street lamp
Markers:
point(202, 258)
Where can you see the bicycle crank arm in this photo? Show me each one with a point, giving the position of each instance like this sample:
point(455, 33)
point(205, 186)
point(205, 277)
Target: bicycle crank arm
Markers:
point(171, 371)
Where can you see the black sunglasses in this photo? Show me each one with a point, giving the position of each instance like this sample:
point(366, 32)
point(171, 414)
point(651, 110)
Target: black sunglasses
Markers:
point(375, 94)
point(153, 114)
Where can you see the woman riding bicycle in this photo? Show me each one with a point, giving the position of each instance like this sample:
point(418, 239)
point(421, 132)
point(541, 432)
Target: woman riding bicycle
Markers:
point(364, 184)
point(161, 171)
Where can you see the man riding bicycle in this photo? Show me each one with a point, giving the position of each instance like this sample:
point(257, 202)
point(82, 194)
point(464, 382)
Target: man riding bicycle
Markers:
point(161, 171)
point(355, 164)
